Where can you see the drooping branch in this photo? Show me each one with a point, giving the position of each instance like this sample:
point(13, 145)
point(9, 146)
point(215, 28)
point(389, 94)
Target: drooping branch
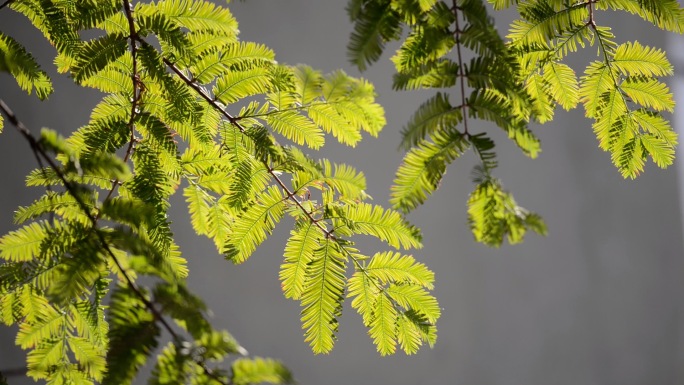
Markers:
point(38, 149)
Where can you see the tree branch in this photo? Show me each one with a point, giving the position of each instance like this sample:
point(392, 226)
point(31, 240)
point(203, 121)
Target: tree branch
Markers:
point(137, 89)
point(236, 122)
point(39, 150)
point(461, 74)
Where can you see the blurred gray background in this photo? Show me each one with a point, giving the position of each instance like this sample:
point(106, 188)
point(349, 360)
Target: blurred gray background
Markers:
point(600, 300)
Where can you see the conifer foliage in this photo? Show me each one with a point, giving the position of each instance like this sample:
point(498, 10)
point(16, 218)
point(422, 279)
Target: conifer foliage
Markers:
point(512, 81)
point(188, 108)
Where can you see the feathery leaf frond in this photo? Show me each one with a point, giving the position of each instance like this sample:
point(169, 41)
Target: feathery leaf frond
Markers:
point(252, 227)
point(322, 296)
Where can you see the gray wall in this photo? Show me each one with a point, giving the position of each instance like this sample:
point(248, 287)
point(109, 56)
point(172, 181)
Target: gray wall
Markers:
point(598, 301)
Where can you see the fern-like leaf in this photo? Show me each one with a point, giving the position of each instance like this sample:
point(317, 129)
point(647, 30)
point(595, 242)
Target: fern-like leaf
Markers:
point(236, 85)
point(299, 252)
point(382, 325)
point(133, 337)
point(258, 371)
point(97, 54)
point(322, 297)
point(297, 128)
point(23, 67)
point(250, 229)
point(386, 225)
point(423, 168)
point(434, 115)
point(393, 267)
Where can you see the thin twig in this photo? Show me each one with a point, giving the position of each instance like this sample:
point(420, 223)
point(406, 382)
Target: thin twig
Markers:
point(590, 6)
point(137, 90)
point(236, 122)
point(461, 73)
point(137, 94)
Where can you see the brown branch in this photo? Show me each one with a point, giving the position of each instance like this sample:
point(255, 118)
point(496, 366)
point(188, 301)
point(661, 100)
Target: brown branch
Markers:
point(137, 89)
point(461, 73)
point(236, 122)
point(590, 6)
point(137, 94)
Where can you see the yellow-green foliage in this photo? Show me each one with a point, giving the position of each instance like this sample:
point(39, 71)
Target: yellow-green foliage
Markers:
point(220, 120)
point(512, 81)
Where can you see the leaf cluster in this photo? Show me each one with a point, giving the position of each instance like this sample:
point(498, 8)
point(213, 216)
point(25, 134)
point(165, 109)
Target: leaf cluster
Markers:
point(190, 108)
point(433, 55)
point(621, 91)
point(512, 81)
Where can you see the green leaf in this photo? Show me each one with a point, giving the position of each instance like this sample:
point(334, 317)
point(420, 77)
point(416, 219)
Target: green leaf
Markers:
point(184, 307)
point(382, 325)
point(168, 32)
point(363, 290)
point(408, 335)
point(322, 297)
point(345, 179)
point(23, 244)
point(308, 83)
point(597, 80)
point(540, 22)
point(393, 267)
point(634, 59)
point(297, 128)
point(249, 177)
point(414, 297)
point(89, 356)
point(50, 323)
point(563, 85)
point(236, 85)
point(251, 229)
point(328, 117)
point(236, 56)
point(630, 160)
point(422, 46)
point(423, 167)
point(304, 240)
point(373, 27)
point(666, 14)
point(97, 54)
point(173, 365)
point(649, 93)
point(133, 337)
point(386, 225)
point(196, 15)
point(199, 207)
point(258, 371)
point(78, 272)
point(23, 67)
point(493, 214)
point(660, 150)
point(436, 114)
point(537, 89)
point(442, 73)
point(608, 124)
